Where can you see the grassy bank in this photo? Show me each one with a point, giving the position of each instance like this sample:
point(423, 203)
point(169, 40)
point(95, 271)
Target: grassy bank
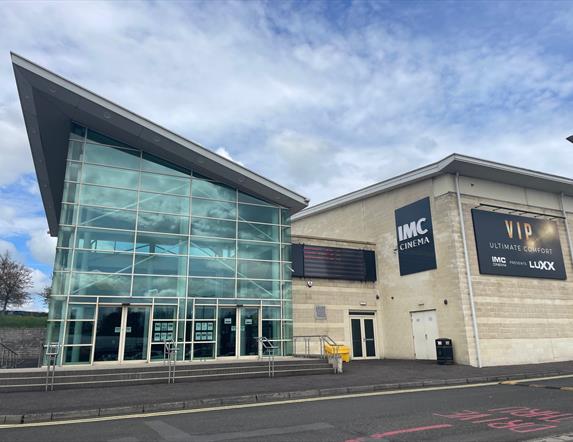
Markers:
point(13, 321)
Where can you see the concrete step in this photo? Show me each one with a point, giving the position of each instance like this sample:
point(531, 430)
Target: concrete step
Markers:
point(95, 378)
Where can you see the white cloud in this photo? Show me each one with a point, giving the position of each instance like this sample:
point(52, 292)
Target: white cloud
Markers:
point(10, 248)
point(42, 247)
point(225, 154)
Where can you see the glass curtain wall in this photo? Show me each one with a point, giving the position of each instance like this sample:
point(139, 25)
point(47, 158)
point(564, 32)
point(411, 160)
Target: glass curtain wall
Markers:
point(137, 230)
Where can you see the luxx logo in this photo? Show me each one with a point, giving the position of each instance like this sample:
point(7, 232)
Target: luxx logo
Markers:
point(412, 229)
point(542, 265)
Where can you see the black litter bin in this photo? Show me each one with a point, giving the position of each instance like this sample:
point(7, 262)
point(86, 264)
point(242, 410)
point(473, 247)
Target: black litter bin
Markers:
point(444, 351)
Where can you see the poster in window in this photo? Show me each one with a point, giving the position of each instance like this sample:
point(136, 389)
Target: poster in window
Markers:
point(209, 336)
point(209, 326)
point(157, 337)
point(170, 326)
point(158, 326)
point(163, 336)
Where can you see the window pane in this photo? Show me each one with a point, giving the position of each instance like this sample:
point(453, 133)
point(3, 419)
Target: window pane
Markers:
point(214, 209)
point(56, 308)
point(164, 312)
point(77, 355)
point(81, 311)
point(68, 214)
point(96, 137)
point(71, 192)
point(108, 197)
point(213, 227)
point(107, 218)
point(63, 259)
point(211, 288)
point(271, 329)
point(87, 261)
point(107, 176)
point(220, 248)
point(65, 236)
point(79, 332)
point(77, 131)
point(285, 234)
point(256, 250)
point(60, 283)
point(207, 189)
point(204, 312)
point(158, 222)
point(95, 284)
point(75, 150)
point(285, 216)
point(73, 170)
point(151, 163)
point(259, 270)
point(155, 202)
point(165, 184)
point(245, 198)
point(161, 265)
point(271, 313)
point(260, 232)
point(286, 255)
point(212, 267)
point(111, 240)
point(111, 156)
point(158, 286)
point(258, 289)
point(258, 214)
point(155, 243)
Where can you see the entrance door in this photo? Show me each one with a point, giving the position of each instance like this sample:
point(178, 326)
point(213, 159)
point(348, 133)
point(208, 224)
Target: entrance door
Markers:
point(122, 333)
point(425, 332)
point(249, 331)
point(363, 340)
point(227, 339)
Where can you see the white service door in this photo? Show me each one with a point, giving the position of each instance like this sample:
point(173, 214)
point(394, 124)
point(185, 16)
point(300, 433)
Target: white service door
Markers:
point(425, 331)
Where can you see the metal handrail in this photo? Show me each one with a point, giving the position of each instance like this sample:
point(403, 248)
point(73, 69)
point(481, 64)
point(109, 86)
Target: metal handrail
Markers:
point(335, 359)
point(267, 346)
point(170, 355)
point(8, 357)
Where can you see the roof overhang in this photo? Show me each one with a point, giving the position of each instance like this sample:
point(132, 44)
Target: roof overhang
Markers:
point(453, 164)
point(49, 102)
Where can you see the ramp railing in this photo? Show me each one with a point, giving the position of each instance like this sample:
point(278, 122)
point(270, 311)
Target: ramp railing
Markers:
point(9, 358)
point(314, 346)
point(169, 356)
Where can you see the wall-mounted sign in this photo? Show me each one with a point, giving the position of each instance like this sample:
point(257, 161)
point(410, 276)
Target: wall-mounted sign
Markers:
point(517, 246)
point(416, 252)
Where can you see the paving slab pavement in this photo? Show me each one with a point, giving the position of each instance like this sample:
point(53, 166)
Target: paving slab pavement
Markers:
point(358, 376)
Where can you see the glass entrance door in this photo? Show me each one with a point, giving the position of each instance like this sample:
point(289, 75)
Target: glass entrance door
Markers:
point(363, 340)
point(122, 333)
point(249, 331)
point(136, 333)
point(227, 339)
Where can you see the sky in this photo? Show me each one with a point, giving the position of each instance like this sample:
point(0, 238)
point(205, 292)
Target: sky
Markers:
point(322, 97)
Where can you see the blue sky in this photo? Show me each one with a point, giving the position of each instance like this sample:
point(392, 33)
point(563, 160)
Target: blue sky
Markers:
point(323, 97)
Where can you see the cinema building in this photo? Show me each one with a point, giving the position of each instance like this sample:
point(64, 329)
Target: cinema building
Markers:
point(160, 239)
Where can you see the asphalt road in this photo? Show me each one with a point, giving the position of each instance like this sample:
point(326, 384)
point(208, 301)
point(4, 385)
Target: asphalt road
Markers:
point(482, 413)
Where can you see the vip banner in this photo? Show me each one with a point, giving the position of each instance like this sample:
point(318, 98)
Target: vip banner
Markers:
point(415, 235)
point(517, 246)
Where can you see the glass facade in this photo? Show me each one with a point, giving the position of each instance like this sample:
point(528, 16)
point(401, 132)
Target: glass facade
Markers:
point(148, 252)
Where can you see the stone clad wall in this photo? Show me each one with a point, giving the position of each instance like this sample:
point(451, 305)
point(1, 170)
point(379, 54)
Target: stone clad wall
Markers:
point(521, 320)
point(26, 342)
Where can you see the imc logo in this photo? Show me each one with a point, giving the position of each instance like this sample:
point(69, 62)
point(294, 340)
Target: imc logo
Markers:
point(411, 230)
point(521, 229)
point(498, 260)
point(542, 265)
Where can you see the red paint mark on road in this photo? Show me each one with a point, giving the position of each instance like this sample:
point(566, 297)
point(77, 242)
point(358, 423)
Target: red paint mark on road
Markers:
point(402, 431)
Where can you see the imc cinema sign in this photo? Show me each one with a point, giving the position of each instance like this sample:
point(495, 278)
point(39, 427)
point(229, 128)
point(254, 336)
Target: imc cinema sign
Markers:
point(517, 246)
point(416, 251)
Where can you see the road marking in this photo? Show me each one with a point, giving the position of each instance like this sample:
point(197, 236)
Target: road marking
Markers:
point(547, 378)
point(404, 430)
point(240, 406)
point(263, 433)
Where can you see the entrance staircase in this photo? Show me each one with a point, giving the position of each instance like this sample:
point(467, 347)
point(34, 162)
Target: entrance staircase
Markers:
point(155, 373)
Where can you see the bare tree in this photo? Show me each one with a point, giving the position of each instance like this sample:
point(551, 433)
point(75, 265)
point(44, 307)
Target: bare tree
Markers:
point(15, 280)
point(46, 293)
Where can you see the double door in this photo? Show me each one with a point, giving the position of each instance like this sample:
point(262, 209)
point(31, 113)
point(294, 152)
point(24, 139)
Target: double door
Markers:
point(363, 337)
point(238, 329)
point(122, 333)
